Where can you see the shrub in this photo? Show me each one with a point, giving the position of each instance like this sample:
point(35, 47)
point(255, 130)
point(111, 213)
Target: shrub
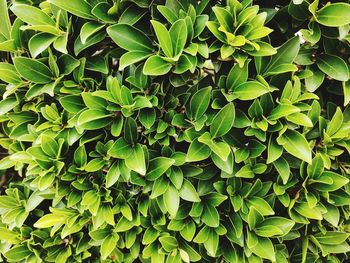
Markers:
point(174, 131)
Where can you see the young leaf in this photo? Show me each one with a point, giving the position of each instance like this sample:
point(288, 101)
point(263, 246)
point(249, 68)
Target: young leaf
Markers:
point(50, 220)
point(178, 35)
point(163, 37)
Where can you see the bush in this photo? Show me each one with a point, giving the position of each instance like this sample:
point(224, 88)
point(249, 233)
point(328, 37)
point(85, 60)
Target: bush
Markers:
point(174, 131)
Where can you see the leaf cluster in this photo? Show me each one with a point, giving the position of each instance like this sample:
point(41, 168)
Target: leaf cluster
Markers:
point(174, 131)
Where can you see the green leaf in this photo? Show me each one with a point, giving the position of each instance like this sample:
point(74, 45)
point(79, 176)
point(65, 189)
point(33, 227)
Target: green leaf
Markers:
point(94, 119)
point(131, 15)
point(329, 181)
point(212, 243)
point(33, 70)
point(94, 39)
point(334, 15)
point(171, 200)
point(112, 175)
point(261, 205)
point(39, 43)
point(188, 192)
point(168, 13)
point(80, 8)
point(224, 17)
point(88, 29)
point(156, 66)
point(304, 210)
point(224, 165)
point(132, 57)
point(268, 231)
point(223, 121)
point(49, 146)
point(168, 243)
point(214, 28)
point(315, 169)
point(250, 90)
point(5, 26)
point(295, 144)
point(80, 156)
point(264, 50)
point(136, 161)
point(157, 167)
point(120, 149)
point(130, 131)
point(332, 237)
point(197, 152)
point(333, 66)
point(210, 216)
point(274, 150)
point(48, 29)
point(18, 253)
point(163, 37)
point(8, 73)
point(188, 231)
point(313, 82)
point(159, 187)
point(283, 224)
point(336, 122)
point(108, 245)
point(300, 119)
point(264, 249)
point(50, 220)
point(237, 75)
point(332, 216)
point(130, 38)
point(282, 110)
point(285, 54)
point(199, 103)
point(178, 35)
point(283, 169)
point(9, 235)
point(94, 165)
point(32, 15)
point(147, 117)
point(72, 103)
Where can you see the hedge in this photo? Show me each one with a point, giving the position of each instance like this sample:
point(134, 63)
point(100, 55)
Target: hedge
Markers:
point(174, 131)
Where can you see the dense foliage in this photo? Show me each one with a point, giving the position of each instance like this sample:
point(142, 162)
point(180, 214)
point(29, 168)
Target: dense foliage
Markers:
point(174, 131)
